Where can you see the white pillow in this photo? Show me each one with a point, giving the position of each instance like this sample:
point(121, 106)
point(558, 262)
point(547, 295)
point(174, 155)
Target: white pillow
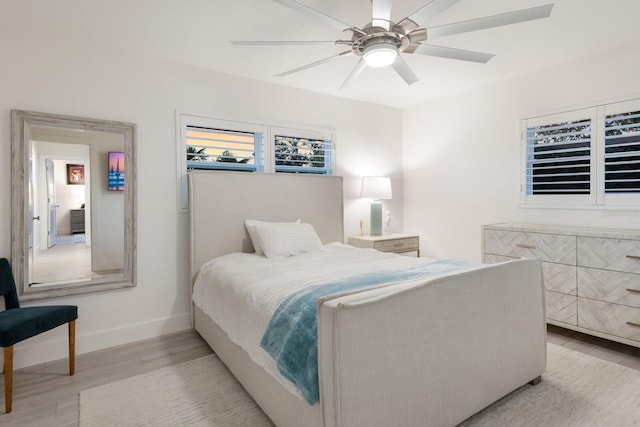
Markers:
point(251, 224)
point(287, 239)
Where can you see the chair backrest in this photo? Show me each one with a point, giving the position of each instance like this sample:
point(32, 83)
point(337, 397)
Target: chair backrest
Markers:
point(8, 285)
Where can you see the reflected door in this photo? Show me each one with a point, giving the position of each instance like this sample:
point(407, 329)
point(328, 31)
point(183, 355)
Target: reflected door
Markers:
point(52, 228)
point(31, 218)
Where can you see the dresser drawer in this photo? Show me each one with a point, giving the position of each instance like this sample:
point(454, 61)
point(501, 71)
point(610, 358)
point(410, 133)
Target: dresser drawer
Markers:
point(557, 277)
point(518, 244)
point(560, 278)
point(609, 254)
point(609, 286)
point(397, 245)
point(614, 319)
point(494, 259)
point(562, 307)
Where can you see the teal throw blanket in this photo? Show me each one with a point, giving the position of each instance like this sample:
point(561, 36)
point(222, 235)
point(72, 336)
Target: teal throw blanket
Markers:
point(291, 337)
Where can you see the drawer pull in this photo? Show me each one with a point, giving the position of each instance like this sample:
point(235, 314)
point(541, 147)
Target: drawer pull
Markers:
point(637, 325)
point(633, 291)
point(525, 245)
point(398, 245)
point(634, 257)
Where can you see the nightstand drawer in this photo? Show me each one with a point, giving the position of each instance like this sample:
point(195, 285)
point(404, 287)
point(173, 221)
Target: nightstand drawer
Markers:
point(397, 245)
point(405, 244)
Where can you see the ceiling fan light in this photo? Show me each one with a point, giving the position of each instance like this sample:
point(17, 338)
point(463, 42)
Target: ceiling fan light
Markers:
point(380, 55)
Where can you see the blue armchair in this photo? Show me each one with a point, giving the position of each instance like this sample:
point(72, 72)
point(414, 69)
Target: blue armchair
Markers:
point(19, 323)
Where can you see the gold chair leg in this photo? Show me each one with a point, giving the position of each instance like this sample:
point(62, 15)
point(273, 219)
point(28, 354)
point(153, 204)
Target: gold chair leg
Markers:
point(72, 347)
point(8, 378)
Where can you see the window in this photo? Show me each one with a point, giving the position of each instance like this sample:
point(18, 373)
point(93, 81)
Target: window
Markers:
point(586, 157)
point(301, 155)
point(559, 158)
point(622, 153)
point(302, 151)
point(209, 148)
point(206, 143)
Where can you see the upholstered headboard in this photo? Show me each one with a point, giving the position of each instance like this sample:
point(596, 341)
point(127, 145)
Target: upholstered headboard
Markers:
point(220, 201)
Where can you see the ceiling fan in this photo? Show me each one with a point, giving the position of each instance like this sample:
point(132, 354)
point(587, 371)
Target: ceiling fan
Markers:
point(381, 42)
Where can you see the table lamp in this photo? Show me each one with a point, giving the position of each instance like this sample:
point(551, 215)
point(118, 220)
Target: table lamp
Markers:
point(376, 188)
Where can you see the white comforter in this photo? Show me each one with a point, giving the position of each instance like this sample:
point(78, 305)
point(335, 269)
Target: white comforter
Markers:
point(241, 291)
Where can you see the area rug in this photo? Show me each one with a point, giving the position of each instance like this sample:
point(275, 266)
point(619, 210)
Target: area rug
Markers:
point(577, 390)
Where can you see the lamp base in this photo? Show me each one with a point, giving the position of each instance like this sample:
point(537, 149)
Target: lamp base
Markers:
point(376, 219)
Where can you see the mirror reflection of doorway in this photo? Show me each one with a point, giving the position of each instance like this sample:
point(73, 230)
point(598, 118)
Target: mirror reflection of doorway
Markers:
point(61, 249)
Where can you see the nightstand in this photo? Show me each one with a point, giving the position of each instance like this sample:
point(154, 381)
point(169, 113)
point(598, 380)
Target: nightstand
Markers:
point(76, 217)
point(404, 244)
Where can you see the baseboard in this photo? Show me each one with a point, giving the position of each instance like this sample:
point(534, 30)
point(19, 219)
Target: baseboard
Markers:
point(34, 352)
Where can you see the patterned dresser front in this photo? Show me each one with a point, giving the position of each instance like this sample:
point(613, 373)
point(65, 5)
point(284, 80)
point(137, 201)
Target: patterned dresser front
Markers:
point(592, 275)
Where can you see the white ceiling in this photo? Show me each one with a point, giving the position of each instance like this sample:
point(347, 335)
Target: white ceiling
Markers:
point(197, 33)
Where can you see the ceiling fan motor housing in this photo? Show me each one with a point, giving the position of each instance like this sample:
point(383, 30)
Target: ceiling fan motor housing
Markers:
point(401, 36)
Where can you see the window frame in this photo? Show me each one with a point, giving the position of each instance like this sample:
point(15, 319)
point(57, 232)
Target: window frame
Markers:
point(184, 120)
point(597, 198)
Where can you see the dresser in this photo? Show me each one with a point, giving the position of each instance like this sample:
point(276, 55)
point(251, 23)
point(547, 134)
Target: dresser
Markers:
point(404, 244)
point(591, 275)
point(77, 220)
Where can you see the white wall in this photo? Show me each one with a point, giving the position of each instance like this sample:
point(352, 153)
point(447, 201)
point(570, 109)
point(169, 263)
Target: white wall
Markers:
point(62, 76)
point(461, 153)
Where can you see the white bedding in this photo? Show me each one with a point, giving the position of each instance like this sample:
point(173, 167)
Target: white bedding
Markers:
point(241, 291)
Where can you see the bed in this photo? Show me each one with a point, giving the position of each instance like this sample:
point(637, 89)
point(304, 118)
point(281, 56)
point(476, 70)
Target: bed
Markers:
point(424, 353)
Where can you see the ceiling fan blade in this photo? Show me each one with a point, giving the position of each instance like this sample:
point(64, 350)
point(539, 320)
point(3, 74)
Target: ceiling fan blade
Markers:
point(361, 65)
point(319, 16)
point(282, 43)
point(402, 68)
point(491, 21)
point(381, 14)
point(313, 64)
point(431, 9)
point(451, 53)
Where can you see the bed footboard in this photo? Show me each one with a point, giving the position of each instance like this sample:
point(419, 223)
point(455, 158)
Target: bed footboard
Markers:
point(432, 354)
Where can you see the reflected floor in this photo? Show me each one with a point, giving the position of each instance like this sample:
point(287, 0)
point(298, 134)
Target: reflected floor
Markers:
point(68, 261)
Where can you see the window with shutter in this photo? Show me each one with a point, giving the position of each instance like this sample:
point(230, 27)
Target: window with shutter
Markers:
point(207, 143)
point(559, 158)
point(223, 149)
point(586, 157)
point(302, 155)
point(622, 153)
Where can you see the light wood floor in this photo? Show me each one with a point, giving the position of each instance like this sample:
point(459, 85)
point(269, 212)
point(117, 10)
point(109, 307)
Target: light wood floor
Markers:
point(45, 395)
point(61, 263)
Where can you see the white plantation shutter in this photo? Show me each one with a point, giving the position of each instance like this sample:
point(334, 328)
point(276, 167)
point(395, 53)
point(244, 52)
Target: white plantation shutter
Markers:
point(224, 149)
point(558, 158)
point(302, 155)
point(622, 153)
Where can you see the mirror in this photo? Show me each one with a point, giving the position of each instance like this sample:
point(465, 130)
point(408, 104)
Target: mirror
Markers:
point(73, 222)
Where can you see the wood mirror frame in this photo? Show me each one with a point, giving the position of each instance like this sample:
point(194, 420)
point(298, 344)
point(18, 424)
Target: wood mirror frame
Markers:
point(22, 122)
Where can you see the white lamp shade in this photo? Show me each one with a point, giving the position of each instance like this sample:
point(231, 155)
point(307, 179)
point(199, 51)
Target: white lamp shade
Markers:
point(376, 187)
